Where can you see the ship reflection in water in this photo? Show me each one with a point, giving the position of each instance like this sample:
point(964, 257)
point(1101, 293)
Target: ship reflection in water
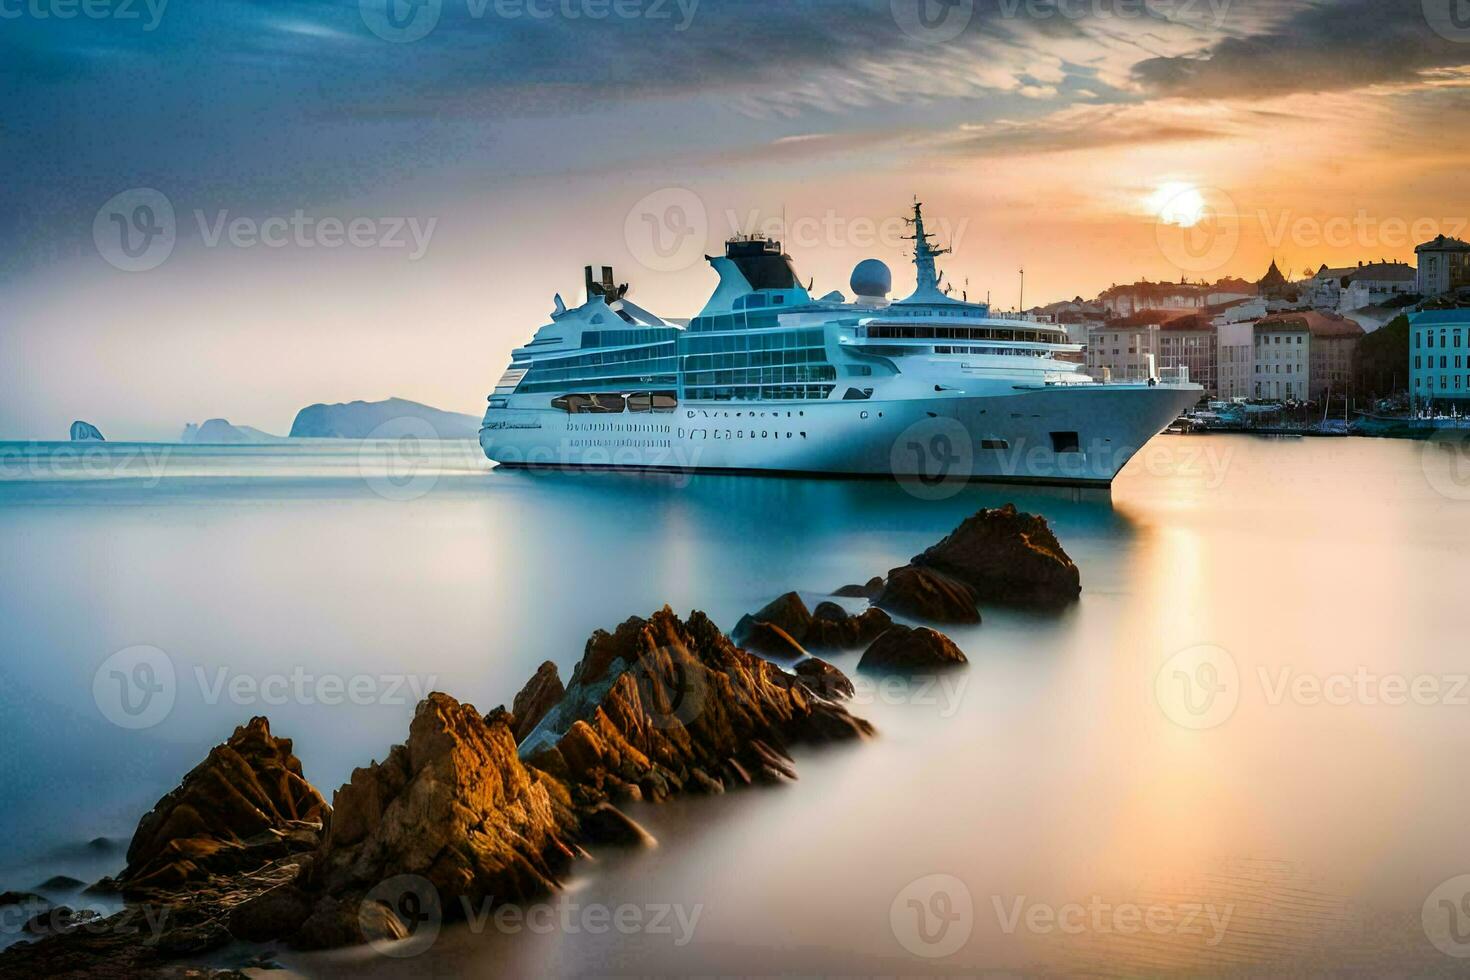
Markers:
point(1206, 766)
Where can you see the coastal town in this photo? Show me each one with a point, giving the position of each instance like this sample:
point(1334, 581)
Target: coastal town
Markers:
point(1336, 350)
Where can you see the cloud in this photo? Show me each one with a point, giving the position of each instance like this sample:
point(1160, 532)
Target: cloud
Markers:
point(1090, 127)
point(1319, 48)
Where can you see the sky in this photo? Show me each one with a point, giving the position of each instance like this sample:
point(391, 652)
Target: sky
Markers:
point(237, 208)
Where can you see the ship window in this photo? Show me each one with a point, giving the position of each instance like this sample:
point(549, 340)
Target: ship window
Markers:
point(858, 395)
point(994, 444)
point(1066, 442)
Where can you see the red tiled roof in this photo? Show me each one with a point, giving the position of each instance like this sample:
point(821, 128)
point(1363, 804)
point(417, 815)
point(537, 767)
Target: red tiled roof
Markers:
point(1323, 325)
point(1443, 244)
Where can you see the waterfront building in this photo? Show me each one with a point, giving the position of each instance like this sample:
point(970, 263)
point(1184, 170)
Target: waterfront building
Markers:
point(1353, 288)
point(1444, 266)
point(1235, 359)
point(1439, 358)
point(1190, 342)
point(1126, 348)
point(1303, 356)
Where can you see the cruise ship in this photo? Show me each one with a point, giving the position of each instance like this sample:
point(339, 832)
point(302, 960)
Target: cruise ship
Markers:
point(769, 379)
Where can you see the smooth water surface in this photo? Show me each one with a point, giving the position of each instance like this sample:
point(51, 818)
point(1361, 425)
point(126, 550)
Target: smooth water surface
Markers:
point(1220, 725)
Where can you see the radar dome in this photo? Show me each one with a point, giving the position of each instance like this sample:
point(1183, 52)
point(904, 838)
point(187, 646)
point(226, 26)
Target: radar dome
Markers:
point(872, 278)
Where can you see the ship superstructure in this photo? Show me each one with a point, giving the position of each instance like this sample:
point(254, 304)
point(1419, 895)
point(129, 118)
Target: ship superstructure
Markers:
point(767, 378)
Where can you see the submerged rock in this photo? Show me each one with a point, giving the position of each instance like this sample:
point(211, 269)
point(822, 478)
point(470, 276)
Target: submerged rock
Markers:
point(769, 640)
point(904, 650)
point(786, 629)
point(834, 628)
point(824, 679)
point(244, 805)
point(539, 696)
point(921, 593)
point(1007, 556)
point(869, 591)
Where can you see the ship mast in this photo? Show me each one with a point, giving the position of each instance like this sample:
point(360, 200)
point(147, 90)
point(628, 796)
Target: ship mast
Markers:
point(924, 255)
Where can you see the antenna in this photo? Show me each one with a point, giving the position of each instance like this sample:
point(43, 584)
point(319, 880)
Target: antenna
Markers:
point(1023, 290)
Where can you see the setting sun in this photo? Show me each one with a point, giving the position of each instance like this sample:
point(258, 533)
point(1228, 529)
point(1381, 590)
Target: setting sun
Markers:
point(1178, 204)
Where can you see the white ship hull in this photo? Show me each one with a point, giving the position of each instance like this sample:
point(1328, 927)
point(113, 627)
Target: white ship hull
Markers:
point(1022, 437)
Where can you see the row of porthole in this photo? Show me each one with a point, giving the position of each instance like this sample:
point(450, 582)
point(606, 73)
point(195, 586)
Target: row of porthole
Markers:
point(615, 427)
point(620, 444)
point(716, 415)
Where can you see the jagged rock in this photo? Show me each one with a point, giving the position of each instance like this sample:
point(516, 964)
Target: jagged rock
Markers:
point(769, 640)
point(244, 805)
point(824, 679)
point(658, 699)
point(606, 824)
point(922, 593)
point(834, 628)
point(453, 805)
point(1007, 556)
point(869, 591)
point(788, 613)
point(905, 650)
point(85, 432)
point(540, 695)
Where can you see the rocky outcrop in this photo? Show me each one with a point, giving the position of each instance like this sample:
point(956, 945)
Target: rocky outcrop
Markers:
point(824, 679)
point(246, 804)
point(660, 706)
point(768, 640)
point(85, 432)
point(786, 629)
point(834, 628)
point(922, 593)
point(454, 806)
point(907, 651)
point(1008, 557)
point(540, 695)
point(869, 591)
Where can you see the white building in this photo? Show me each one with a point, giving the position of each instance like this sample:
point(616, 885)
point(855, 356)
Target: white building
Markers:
point(1444, 266)
point(1282, 361)
point(1237, 359)
point(1439, 357)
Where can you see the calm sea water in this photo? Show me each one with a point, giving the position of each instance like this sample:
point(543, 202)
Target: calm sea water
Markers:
point(1242, 751)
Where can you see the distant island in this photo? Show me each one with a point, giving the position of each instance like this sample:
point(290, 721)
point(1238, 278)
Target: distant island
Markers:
point(220, 431)
point(382, 420)
point(85, 432)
